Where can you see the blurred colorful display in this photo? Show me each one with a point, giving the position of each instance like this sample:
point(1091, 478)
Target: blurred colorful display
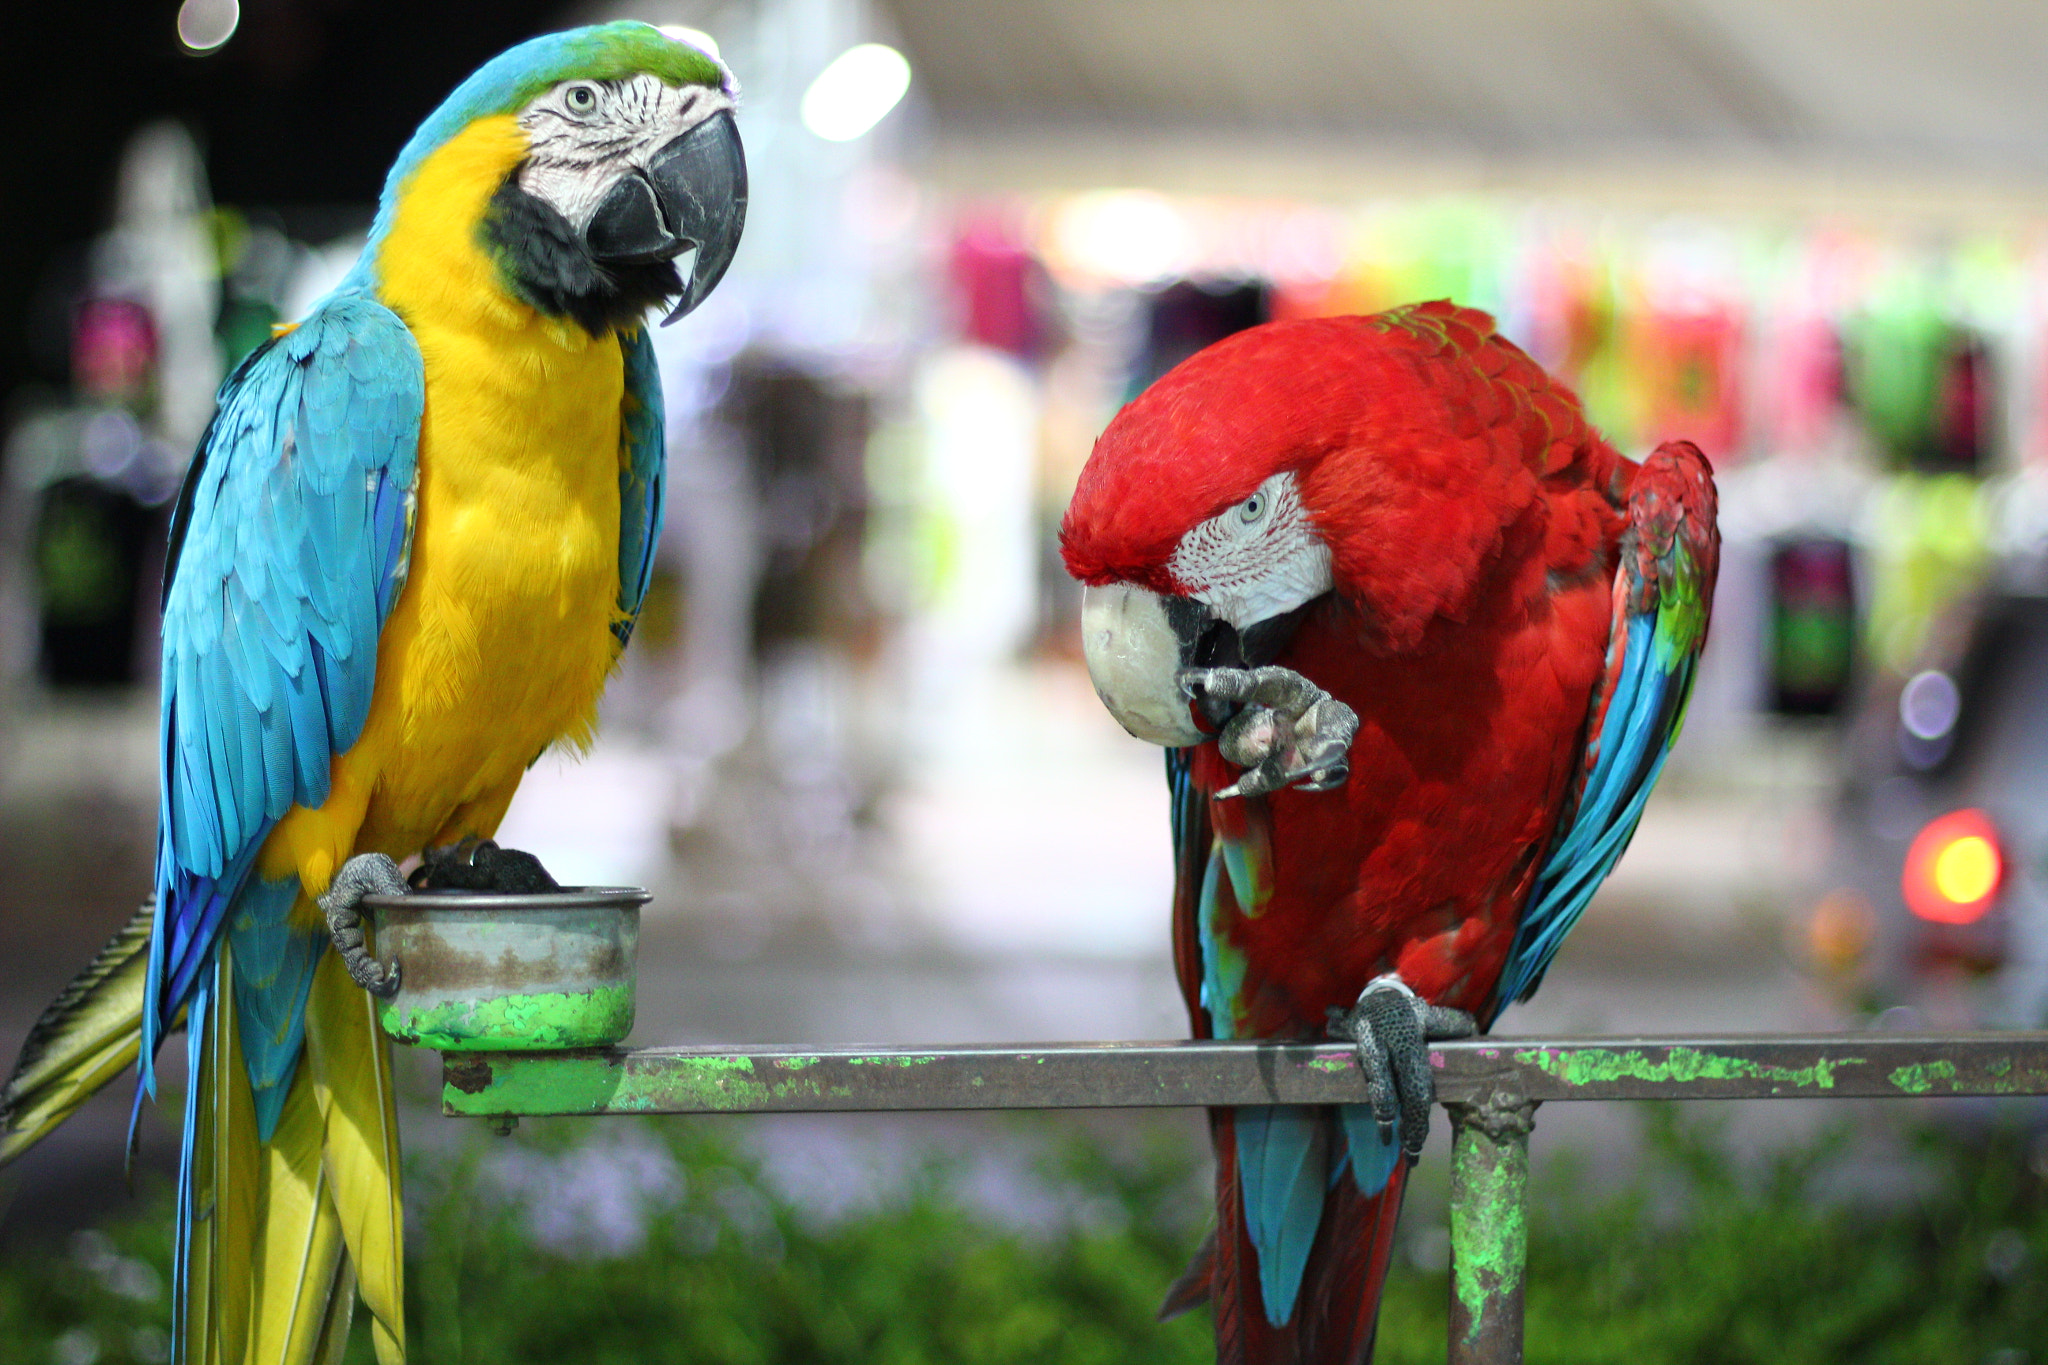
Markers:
point(1870, 393)
point(1742, 336)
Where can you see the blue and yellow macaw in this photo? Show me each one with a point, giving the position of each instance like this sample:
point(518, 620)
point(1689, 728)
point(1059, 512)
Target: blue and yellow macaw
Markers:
point(408, 553)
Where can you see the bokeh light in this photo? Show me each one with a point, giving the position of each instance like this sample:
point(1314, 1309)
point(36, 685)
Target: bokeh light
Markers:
point(204, 25)
point(1121, 237)
point(1953, 868)
point(1966, 870)
point(1929, 705)
point(855, 92)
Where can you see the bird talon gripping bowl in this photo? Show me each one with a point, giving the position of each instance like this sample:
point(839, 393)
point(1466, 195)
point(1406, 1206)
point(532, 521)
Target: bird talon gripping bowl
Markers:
point(487, 972)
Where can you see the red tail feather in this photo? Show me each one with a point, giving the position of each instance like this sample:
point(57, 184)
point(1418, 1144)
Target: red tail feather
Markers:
point(1336, 1313)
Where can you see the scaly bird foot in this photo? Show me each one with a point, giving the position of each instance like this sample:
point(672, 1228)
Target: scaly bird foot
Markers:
point(366, 874)
point(1282, 729)
point(480, 865)
point(1392, 1027)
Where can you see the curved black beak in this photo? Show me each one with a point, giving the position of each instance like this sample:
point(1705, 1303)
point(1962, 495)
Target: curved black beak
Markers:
point(693, 194)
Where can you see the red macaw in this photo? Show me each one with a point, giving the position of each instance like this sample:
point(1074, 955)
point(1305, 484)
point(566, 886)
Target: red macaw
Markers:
point(1418, 641)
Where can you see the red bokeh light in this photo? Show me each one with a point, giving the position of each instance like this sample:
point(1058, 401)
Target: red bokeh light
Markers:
point(1954, 868)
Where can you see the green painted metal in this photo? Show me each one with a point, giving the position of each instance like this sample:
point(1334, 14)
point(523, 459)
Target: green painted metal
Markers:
point(1151, 1075)
point(540, 1021)
point(1489, 1228)
point(503, 973)
point(1921, 1078)
point(1580, 1067)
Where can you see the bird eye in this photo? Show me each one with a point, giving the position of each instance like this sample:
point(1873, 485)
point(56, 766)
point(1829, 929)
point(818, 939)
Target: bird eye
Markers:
point(1252, 508)
point(581, 99)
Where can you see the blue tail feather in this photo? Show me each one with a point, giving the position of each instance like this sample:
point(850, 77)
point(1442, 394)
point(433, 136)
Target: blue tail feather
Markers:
point(274, 961)
point(1282, 1160)
point(197, 1020)
point(1371, 1157)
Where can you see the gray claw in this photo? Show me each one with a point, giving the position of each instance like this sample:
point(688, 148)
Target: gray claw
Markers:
point(1287, 731)
point(366, 874)
point(1391, 1026)
point(1441, 1023)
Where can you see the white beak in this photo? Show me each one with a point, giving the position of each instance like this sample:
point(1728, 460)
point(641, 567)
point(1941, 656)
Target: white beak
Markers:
point(1135, 658)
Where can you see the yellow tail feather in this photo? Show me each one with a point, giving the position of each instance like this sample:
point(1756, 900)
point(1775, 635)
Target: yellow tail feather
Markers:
point(349, 1065)
point(54, 1102)
point(283, 1234)
point(298, 1254)
point(226, 1169)
point(272, 1278)
point(341, 1311)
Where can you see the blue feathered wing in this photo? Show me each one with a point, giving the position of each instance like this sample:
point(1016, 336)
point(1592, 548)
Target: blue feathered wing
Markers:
point(1662, 589)
point(289, 545)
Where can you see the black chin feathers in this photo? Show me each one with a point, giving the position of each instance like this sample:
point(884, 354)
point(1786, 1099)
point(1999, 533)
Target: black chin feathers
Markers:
point(545, 263)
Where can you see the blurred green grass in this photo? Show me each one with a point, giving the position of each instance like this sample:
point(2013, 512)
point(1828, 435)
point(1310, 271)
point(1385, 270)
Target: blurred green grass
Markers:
point(1691, 1258)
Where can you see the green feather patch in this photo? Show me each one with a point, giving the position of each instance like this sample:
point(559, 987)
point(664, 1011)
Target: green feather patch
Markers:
point(87, 1036)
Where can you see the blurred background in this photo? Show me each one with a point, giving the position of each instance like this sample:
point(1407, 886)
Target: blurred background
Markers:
point(853, 750)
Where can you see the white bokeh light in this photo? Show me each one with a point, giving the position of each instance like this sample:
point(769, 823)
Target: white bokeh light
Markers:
point(854, 91)
point(1122, 237)
point(204, 25)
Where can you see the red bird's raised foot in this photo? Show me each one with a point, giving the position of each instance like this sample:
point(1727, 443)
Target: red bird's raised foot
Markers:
point(1277, 725)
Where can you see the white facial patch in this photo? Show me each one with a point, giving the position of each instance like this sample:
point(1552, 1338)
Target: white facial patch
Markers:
point(583, 135)
point(1257, 559)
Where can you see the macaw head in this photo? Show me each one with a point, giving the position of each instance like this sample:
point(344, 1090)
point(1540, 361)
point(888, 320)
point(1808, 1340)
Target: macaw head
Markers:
point(612, 153)
point(1285, 463)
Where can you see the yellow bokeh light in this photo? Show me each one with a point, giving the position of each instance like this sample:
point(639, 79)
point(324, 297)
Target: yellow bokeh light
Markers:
point(1966, 870)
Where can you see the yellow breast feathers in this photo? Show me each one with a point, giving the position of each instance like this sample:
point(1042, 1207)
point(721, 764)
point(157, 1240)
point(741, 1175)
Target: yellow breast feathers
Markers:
point(501, 640)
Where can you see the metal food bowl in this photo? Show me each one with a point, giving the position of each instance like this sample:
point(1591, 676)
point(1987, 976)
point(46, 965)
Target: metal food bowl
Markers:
point(487, 972)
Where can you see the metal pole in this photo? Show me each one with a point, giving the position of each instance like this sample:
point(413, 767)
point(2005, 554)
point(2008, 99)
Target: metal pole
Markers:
point(710, 1080)
point(1491, 1087)
point(1489, 1226)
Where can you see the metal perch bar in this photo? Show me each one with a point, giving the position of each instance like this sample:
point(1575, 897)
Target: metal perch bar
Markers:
point(1491, 1087)
point(702, 1080)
